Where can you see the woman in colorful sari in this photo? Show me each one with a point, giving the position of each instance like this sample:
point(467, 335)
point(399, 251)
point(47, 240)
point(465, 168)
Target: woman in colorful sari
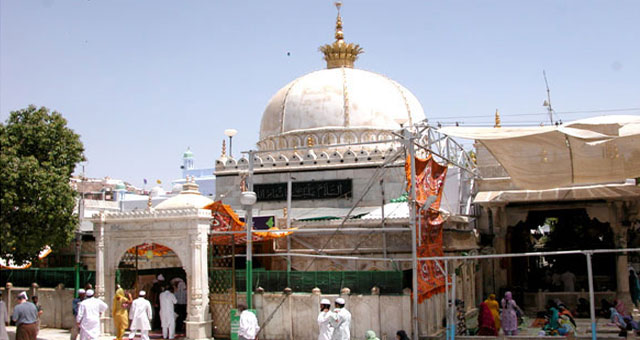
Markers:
point(486, 323)
point(120, 313)
point(509, 315)
point(492, 303)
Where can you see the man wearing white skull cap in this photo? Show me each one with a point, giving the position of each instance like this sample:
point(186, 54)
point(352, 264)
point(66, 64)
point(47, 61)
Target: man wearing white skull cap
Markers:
point(324, 320)
point(140, 314)
point(88, 316)
point(341, 321)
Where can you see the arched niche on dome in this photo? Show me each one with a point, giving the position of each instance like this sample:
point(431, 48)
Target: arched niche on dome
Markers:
point(269, 144)
point(348, 137)
point(329, 139)
point(311, 138)
point(282, 143)
point(368, 136)
point(384, 136)
point(294, 141)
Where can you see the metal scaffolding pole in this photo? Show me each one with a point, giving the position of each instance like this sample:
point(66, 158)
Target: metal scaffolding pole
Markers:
point(289, 193)
point(249, 222)
point(592, 308)
point(408, 138)
point(446, 299)
point(453, 303)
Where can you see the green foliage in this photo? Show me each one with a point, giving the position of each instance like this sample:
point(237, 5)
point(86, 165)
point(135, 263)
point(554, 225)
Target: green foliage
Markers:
point(38, 154)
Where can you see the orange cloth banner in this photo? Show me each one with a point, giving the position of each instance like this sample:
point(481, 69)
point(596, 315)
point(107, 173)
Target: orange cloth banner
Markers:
point(430, 178)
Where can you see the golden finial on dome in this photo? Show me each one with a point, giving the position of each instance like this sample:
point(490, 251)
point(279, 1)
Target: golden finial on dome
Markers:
point(497, 125)
point(309, 141)
point(340, 53)
point(224, 148)
point(339, 34)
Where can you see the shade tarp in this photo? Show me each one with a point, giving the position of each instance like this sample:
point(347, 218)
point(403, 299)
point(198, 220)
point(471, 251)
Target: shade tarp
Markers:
point(575, 193)
point(589, 151)
point(225, 219)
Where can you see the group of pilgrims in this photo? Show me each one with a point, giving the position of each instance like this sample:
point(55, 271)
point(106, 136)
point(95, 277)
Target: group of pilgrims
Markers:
point(136, 315)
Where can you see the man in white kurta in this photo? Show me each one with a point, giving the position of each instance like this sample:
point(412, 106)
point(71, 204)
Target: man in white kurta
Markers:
point(167, 313)
point(88, 317)
point(140, 315)
point(324, 320)
point(341, 321)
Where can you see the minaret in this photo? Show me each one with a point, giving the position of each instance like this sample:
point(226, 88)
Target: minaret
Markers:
point(187, 162)
point(340, 53)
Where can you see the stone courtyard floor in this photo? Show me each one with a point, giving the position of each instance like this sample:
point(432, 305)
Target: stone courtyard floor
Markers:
point(584, 332)
point(63, 334)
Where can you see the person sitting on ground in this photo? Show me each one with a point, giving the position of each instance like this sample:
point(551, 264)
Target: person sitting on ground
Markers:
point(620, 307)
point(402, 335)
point(564, 311)
point(565, 326)
point(616, 319)
point(370, 335)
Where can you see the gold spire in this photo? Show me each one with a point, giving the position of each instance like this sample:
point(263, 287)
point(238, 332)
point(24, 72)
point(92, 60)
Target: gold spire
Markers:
point(497, 125)
point(340, 53)
point(224, 148)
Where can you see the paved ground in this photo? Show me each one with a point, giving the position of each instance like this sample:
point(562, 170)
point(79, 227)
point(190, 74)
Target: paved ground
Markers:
point(63, 334)
point(605, 331)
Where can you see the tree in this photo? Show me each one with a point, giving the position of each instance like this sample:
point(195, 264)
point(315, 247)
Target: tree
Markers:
point(38, 154)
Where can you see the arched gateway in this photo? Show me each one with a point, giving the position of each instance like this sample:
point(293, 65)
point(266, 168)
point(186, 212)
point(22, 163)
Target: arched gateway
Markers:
point(184, 229)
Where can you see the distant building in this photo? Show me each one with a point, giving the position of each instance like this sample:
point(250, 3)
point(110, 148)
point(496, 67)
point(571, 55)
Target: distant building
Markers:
point(204, 177)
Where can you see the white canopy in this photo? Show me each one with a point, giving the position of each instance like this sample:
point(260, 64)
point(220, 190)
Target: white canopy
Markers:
point(588, 151)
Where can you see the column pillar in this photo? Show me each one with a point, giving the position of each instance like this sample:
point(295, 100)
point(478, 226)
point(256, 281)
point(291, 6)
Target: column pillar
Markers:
point(620, 241)
point(198, 319)
point(499, 221)
point(99, 289)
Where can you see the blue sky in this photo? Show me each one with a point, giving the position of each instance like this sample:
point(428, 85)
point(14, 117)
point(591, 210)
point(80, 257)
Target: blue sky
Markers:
point(141, 81)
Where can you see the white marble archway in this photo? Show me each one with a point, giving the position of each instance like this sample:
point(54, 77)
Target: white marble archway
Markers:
point(185, 231)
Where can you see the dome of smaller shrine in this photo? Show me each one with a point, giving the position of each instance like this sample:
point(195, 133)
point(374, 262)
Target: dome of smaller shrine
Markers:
point(188, 198)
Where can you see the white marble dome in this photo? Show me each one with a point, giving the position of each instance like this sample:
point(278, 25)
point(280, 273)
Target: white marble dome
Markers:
point(189, 197)
point(337, 105)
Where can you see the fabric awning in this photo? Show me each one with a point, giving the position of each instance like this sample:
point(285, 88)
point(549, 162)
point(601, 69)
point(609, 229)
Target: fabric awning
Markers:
point(589, 151)
point(576, 193)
